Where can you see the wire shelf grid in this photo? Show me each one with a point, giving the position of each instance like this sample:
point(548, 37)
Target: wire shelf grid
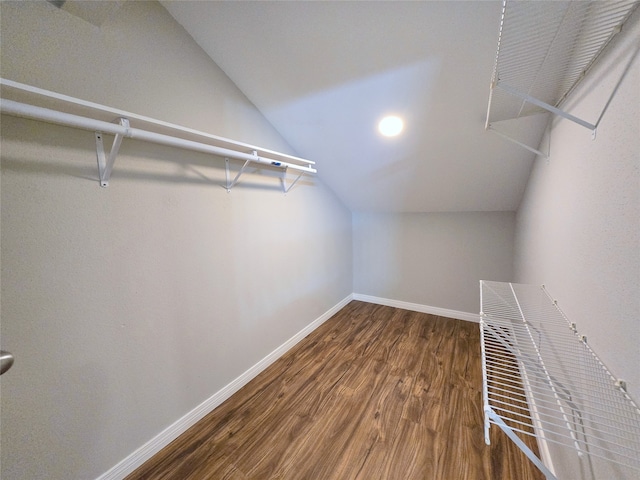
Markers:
point(540, 378)
point(546, 48)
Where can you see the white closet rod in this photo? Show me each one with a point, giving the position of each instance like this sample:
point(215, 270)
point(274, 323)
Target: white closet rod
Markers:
point(11, 107)
point(40, 92)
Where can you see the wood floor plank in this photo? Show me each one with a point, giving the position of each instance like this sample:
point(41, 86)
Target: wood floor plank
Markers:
point(374, 393)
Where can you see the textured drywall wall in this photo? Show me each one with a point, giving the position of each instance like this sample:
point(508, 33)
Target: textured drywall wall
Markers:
point(128, 306)
point(578, 227)
point(434, 259)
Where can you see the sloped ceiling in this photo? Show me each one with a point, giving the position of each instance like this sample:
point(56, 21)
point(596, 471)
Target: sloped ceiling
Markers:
point(325, 73)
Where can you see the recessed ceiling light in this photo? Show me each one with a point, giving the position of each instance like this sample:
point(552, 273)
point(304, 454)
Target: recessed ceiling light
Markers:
point(390, 126)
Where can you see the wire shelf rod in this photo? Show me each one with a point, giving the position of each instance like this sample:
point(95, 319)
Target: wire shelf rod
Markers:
point(538, 381)
point(588, 377)
point(496, 399)
point(595, 401)
point(596, 409)
point(589, 388)
point(568, 360)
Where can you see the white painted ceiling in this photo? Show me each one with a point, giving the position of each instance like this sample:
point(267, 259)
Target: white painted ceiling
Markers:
point(324, 73)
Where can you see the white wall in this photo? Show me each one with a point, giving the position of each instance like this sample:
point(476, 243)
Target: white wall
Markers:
point(126, 307)
point(433, 259)
point(578, 227)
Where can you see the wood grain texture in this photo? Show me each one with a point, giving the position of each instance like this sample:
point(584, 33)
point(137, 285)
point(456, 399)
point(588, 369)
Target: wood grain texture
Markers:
point(375, 393)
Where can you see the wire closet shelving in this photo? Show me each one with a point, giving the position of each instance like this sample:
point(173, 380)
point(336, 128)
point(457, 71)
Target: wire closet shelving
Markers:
point(542, 379)
point(27, 101)
point(544, 50)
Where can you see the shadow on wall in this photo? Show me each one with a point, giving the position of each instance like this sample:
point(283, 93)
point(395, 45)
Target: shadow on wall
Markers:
point(605, 90)
point(138, 161)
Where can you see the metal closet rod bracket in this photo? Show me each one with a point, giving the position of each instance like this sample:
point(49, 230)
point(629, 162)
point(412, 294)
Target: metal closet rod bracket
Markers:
point(284, 181)
point(105, 165)
point(230, 184)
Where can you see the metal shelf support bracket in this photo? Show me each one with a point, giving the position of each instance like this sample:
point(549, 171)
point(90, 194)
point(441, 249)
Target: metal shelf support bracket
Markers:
point(523, 446)
point(105, 165)
point(283, 179)
point(230, 185)
point(493, 129)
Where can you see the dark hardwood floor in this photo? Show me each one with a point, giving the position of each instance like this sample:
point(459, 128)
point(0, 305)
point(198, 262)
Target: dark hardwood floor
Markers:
point(374, 393)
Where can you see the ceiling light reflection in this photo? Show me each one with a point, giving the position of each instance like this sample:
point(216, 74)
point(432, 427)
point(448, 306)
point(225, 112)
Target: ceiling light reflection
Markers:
point(390, 126)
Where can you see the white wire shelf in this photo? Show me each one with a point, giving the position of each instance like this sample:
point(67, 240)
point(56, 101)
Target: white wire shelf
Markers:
point(544, 50)
point(540, 378)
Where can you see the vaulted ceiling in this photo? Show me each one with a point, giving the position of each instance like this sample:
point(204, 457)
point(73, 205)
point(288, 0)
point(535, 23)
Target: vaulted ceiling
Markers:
point(325, 73)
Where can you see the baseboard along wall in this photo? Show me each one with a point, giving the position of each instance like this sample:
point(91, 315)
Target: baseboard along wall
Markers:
point(153, 446)
point(417, 307)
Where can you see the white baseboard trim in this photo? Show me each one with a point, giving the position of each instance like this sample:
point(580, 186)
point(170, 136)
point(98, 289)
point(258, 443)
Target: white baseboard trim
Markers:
point(153, 446)
point(416, 307)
